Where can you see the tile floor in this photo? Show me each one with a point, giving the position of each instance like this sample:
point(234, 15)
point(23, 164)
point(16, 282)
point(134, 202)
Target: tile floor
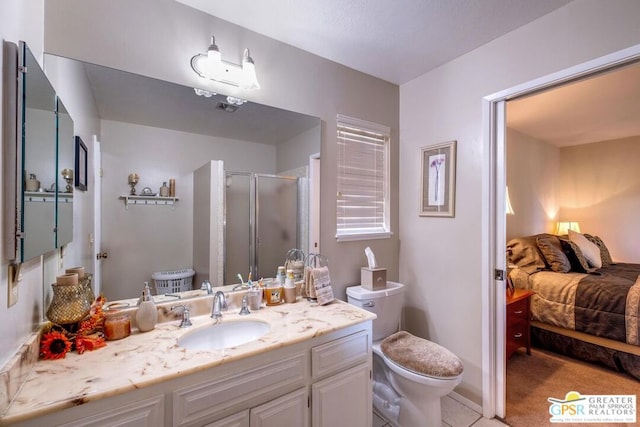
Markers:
point(454, 414)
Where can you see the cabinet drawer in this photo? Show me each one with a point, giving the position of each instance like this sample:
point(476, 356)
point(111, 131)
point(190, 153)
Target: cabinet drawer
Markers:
point(517, 331)
point(518, 310)
point(148, 412)
point(208, 400)
point(340, 354)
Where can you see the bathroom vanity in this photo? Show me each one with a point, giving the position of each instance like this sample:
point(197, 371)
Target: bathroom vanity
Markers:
point(313, 368)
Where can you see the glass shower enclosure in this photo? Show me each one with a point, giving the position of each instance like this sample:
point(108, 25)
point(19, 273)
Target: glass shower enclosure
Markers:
point(263, 219)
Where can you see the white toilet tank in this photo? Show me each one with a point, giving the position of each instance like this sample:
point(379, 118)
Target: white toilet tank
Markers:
point(385, 303)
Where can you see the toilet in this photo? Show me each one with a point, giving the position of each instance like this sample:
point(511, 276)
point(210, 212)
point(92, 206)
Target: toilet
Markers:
point(410, 374)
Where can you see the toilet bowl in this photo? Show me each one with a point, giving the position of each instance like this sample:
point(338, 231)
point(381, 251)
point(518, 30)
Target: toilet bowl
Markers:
point(407, 385)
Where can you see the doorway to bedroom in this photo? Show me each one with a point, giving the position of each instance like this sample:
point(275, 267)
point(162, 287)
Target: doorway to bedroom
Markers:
point(528, 139)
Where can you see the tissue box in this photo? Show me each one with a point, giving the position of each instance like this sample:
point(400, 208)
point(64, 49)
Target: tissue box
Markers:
point(373, 278)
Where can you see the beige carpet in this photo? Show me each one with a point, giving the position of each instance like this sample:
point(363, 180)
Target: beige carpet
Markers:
point(533, 379)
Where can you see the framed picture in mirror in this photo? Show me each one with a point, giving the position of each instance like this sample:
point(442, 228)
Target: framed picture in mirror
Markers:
point(81, 165)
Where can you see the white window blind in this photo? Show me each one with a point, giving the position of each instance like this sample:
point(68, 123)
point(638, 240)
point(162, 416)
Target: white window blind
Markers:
point(363, 180)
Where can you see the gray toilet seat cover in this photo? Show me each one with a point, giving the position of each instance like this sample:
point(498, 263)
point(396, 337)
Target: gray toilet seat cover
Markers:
point(421, 356)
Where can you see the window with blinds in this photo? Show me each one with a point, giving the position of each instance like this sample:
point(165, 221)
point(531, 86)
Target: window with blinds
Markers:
point(363, 180)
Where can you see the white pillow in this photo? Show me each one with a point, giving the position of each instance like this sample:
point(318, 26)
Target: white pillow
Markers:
point(590, 250)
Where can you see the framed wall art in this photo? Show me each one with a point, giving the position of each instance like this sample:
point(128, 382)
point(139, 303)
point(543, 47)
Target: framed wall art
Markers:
point(81, 165)
point(438, 180)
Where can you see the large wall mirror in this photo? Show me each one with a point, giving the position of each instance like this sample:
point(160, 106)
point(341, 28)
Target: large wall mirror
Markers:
point(161, 131)
point(42, 139)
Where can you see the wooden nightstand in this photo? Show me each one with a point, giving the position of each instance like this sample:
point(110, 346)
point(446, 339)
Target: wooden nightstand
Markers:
point(518, 318)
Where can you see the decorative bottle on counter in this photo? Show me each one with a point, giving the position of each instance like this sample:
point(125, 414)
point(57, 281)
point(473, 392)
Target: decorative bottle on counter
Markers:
point(280, 275)
point(172, 187)
point(147, 314)
point(289, 288)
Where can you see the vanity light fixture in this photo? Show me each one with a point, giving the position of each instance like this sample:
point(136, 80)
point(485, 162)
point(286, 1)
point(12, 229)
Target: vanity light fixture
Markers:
point(235, 101)
point(211, 66)
point(231, 100)
point(205, 93)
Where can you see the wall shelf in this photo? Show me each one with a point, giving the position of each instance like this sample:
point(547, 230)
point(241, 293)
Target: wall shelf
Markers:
point(47, 197)
point(148, 200)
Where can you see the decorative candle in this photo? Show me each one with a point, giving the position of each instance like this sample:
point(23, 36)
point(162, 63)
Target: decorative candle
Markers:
point(117, 326)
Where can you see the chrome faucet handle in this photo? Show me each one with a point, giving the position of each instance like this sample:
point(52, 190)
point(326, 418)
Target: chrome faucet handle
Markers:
point(206, 285)
point(219, 304)
point(245, 303)
point(186, 321)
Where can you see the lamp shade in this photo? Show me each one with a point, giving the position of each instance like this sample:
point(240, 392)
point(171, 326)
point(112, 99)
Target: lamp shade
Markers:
point(564, 227)
point(249, 79)
point(509, 208)
point(213, 61)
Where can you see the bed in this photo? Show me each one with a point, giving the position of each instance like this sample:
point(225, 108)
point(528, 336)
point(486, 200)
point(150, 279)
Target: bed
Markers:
point(585, 305)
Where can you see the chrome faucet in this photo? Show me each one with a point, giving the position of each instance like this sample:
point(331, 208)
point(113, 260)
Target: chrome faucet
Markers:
point(245, 306)
point(206, 285)
point(186, 321)
point(219, 304)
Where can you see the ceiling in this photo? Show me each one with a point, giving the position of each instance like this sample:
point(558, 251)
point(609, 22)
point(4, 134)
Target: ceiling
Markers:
point(396, 41)
point(595, 109)
point(599, 108)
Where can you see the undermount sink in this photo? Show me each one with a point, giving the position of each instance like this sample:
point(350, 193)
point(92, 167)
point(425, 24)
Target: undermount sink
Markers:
point(224, 335)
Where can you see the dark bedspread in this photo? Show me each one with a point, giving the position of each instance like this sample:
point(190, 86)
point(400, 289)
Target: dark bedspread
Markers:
point(606, 304)
point(601, 301)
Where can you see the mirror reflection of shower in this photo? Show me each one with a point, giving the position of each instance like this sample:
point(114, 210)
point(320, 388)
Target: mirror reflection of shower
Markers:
point(265, 217)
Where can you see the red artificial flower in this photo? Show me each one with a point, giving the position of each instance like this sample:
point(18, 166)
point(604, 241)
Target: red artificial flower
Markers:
point(54, 345)
point(89, 342)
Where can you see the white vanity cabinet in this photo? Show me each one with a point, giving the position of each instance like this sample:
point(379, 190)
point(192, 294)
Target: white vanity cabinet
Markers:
point(341, 391)
point(322, 381)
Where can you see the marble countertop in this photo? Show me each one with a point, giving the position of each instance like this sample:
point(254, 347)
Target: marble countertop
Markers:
point(144, 359)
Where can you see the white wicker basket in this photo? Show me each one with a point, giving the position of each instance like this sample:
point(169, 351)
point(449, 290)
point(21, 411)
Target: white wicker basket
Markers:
point(168, 282)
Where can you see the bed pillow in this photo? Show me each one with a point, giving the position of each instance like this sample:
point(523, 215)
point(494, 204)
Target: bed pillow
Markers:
point(590, 250)
point(577, 260)
point(524, 253)
point(604, 251)
point(551, 248)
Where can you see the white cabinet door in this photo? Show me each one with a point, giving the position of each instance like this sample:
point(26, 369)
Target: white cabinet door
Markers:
point(290, 410)
point(241, 419)
point(343, 399)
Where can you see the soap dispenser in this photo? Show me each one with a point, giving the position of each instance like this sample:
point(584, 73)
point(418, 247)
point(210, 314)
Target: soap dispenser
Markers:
point(147, 314)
